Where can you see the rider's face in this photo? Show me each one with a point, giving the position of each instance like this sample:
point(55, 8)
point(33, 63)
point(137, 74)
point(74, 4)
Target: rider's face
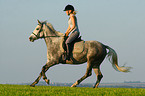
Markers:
point(68, 12)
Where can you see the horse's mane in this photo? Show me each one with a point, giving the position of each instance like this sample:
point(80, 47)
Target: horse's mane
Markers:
point(49, 25)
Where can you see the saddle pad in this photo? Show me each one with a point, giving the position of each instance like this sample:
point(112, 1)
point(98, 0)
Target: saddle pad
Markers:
point(78, 47)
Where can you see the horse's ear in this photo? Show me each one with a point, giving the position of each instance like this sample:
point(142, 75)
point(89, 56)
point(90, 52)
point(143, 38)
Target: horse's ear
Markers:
point(39, 22)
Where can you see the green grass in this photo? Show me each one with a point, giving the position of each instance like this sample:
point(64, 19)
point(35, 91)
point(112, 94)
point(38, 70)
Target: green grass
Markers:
point(25, 90)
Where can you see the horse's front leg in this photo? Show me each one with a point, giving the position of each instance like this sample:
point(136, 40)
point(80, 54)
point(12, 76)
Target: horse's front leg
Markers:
point(42, 73)
point(37, 80)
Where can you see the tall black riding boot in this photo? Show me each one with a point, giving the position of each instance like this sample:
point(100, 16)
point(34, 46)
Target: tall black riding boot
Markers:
point(68, 46)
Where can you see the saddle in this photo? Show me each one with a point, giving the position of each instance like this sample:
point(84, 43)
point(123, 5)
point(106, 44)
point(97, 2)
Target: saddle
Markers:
point(77, 45)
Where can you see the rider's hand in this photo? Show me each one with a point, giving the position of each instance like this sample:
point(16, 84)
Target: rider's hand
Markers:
point(64, 35)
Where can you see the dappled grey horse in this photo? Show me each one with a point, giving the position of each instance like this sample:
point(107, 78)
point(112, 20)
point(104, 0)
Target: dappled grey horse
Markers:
point(94, 53)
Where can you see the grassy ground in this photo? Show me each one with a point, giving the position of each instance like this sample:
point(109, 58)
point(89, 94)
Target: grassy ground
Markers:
point(25, 90)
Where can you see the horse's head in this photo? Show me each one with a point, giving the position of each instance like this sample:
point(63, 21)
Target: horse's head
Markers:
point(37, 33)
point(43, 30)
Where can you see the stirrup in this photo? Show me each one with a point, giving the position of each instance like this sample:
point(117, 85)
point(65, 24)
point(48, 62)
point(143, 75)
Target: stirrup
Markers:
point(65, 57)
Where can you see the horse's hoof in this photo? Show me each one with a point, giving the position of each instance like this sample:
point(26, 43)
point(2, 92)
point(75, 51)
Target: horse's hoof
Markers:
point(32, 85)
point(95, 87)
point(73, 86)
point(47, 81)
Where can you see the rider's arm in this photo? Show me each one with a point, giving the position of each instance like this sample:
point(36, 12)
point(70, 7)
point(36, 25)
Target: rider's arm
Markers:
point(67, 31)
point(72, 17)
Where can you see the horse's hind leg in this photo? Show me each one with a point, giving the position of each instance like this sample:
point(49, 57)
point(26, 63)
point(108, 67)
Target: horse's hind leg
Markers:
point(87, 74)
point(99, 76)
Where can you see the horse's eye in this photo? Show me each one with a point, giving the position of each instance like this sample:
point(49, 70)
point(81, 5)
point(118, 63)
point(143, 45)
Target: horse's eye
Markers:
point(37, 28)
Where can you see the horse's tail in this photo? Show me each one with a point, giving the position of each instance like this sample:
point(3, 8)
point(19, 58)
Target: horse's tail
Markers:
point(112, 56)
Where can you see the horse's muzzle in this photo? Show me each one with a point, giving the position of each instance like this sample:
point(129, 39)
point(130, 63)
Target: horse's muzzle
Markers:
point(31, 39)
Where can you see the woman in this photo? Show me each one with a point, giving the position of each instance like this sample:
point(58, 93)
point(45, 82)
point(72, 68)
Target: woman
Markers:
point(72, 29)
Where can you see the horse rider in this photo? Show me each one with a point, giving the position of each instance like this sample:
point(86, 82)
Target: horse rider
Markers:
point(72, 30)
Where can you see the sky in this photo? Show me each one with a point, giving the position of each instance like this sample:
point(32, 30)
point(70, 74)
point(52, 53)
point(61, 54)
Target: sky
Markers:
point(119, 24)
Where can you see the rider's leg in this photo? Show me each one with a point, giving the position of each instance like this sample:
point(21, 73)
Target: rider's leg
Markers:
point(68, 46)
point(68, 42)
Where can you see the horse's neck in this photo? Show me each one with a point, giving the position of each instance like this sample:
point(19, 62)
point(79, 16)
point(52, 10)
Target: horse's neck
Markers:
point(53, 46)
point(52, 42)
point(51, 31)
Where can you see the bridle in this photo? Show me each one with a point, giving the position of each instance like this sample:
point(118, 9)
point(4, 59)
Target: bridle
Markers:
point(37, 35)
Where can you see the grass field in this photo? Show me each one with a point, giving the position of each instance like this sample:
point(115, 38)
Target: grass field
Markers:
point(25, 90)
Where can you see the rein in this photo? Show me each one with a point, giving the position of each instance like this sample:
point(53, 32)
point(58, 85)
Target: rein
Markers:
point(45, 36)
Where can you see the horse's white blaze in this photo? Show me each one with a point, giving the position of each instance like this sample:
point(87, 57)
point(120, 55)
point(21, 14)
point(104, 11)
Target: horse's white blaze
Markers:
point(36, 32)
